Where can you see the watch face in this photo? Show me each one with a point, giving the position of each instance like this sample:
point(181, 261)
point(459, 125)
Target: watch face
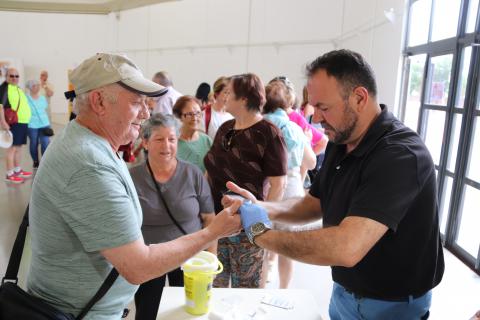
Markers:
point(258, 228)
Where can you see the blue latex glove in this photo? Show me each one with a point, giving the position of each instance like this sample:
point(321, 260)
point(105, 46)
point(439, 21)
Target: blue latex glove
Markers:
point(253, 213)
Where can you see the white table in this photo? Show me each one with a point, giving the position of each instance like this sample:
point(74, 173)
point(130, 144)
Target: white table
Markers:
point(245, 300)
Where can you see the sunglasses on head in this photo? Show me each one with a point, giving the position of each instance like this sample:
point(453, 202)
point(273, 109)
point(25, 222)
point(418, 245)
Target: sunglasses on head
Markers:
point(14, 76)
point(227, 139)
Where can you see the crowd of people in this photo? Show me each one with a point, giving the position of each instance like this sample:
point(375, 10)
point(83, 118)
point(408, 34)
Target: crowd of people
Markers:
point(372, 183)
point(25, 115)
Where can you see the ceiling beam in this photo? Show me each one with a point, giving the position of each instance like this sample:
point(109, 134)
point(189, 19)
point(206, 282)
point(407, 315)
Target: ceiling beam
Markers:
point(79, 8)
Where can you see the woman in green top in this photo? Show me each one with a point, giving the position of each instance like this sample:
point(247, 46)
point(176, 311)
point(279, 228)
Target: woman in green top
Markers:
point(193, 144)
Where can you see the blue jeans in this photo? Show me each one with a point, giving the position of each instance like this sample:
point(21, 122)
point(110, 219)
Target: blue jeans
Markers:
point(345, 306)
point(36, 136)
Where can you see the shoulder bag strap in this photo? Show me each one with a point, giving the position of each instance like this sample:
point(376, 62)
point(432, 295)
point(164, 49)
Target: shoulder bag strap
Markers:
point(16, 257)
point(208, 116)
point(106, 285)
point(19, 98)
point(163, 199)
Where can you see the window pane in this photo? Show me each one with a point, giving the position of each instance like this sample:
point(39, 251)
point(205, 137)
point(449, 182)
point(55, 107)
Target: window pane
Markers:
point(444, 27)
point(473, 168)
point(435, 124)
point(454, 140)
point(462, 81)
point(478, 96)
point(439, 80)
point(415, 82)
point(445, 203)
point(472, 15)
point(419, 22)
point(468, 236)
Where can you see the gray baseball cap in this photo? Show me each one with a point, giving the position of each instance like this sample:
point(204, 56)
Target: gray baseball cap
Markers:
point(105, 68)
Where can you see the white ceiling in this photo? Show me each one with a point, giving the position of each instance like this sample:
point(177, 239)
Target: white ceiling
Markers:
point(75, 6)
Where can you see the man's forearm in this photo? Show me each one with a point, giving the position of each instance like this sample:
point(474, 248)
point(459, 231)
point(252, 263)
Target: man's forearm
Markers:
point(318, 247)
point(167, 256)
point(294, 210)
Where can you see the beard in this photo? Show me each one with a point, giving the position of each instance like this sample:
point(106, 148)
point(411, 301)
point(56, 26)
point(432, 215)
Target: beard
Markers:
point(342, 135)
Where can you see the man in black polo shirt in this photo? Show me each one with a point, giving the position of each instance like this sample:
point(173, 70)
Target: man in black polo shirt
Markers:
point(376, 192)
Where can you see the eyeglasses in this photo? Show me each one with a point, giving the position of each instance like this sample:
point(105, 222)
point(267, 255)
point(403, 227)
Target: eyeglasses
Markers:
point(14, 76)
point(227, 139)
point(197, 114)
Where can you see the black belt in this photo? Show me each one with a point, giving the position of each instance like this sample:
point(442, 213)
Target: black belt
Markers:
point(392, 299)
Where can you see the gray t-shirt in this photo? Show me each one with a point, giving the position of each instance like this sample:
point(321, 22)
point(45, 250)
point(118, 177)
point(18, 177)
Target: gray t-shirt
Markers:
point(187, 194)
point(83, 201)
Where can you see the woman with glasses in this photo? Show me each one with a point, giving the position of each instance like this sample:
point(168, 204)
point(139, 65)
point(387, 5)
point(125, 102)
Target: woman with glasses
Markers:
point(251, 152)
point(300, 154)
point(175, 200)
point(192, 143)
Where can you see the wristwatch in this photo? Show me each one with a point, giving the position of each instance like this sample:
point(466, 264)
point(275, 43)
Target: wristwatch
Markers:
point(257, 229)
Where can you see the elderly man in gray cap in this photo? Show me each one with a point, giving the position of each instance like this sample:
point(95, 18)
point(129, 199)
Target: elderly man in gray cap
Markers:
point(85, 216)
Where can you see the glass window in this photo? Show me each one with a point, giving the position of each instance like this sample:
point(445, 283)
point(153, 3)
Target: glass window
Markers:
point(438, 84)
point(478, 96)
point(468, 235)
point(473, 168)
point(472, 16)
point(445, 203)
point(415, 82)
point(454, 142)
point(435, 124)
point(445, 19)
point(419, 22)
point(462, 79)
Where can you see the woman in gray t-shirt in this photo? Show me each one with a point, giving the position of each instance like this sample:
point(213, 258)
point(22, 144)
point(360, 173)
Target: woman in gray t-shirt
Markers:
point(165, 184)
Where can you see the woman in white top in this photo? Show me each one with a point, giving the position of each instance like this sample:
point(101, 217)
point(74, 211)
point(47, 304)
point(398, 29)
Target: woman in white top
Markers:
point(215, 114)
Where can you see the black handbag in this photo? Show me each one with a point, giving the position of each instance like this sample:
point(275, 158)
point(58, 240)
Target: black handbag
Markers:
point(16, 304)
point(47, 131)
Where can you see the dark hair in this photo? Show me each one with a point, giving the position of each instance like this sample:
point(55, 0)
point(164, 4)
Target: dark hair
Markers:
point(202, 92)
point(276, 94)
point(250, 87)
point(349, 68)
point(219, 85)
point(182, 103)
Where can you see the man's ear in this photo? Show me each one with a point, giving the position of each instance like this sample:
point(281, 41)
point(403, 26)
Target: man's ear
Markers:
point(97, 101)
point(360, 98)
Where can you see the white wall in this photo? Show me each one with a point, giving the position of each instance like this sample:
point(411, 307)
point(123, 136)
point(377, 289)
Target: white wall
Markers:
point(200, 40)
point(55, 42)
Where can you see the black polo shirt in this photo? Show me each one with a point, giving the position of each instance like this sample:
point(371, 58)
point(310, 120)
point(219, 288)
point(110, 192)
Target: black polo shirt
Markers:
point(389, 178)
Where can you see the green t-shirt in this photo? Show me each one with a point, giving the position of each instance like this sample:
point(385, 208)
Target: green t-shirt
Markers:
point(83, 201)
point(194, 151)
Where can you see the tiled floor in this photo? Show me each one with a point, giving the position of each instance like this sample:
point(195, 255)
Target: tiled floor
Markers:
point(457, 297)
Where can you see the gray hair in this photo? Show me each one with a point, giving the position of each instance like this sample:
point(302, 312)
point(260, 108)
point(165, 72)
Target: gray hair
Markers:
point(110, 91)
point(158, 120)
point(163, 78)
point(31, 83)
